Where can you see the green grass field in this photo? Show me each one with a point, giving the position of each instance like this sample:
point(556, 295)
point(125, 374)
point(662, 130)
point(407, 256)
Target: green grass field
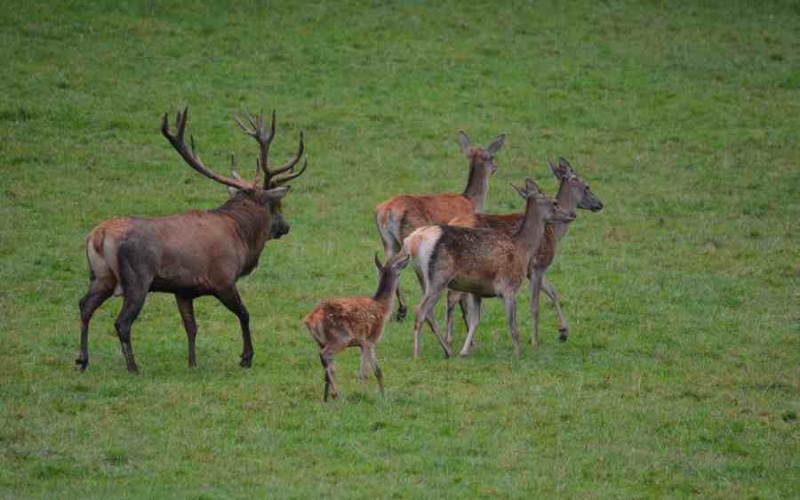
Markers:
point(681, 378)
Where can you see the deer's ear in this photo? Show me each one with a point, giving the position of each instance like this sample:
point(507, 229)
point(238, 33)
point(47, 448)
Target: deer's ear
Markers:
point(463, 138)
point(496, 144)
point(275, 194)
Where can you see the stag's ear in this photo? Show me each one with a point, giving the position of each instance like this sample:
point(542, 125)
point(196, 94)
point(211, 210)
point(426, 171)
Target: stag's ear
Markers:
point(496, 144)
point(520, 191)
point(232, 191)
point(274, 194)
point(463, 138)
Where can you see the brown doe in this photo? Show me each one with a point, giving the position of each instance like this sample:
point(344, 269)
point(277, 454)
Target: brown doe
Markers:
point(190, 254)
point(398, 217)
point(480, 262)
point(573, 192)
point(337, 324)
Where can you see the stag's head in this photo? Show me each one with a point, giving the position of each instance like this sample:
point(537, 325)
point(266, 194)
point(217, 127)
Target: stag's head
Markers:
point(578, 188)
point(264, 193)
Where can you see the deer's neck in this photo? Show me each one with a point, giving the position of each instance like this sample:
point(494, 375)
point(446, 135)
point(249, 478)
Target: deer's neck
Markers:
point(251, 223)
point(531, 232)
point(477, 185)
point(568, 202)
point(386, 286)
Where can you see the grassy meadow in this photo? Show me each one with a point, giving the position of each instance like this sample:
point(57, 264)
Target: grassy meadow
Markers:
point(681, 377)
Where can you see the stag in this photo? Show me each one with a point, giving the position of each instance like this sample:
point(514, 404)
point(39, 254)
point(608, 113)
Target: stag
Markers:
point(190, 254)
point(573, 192)
point(398, 217)
point(337, 324)
point(480, 262)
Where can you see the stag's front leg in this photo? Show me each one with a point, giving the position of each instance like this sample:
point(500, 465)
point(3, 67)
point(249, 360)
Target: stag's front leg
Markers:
point(186, 308)
point(511, 313)
point(230, 298)
point(552, 292)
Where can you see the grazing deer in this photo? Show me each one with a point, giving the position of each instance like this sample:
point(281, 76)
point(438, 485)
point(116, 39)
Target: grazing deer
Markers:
point(398, 217)
point(481, 262)
point(190, 254)
point(573, 192)
point(355, 322)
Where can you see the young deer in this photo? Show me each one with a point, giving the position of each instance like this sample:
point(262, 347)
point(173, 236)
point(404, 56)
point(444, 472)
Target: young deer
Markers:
point(573, 192)
point(481, 262)
point(355, 322)
point(190, 254)
point(398, 217)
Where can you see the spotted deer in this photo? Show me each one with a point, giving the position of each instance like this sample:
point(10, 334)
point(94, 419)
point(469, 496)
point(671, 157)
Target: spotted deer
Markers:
point(480, 262)
point(573, 192)
point(190, 254)
point(337, 324)
point(398, 217)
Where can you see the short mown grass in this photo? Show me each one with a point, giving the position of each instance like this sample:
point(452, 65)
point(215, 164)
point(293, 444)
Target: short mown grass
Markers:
point(680, 378)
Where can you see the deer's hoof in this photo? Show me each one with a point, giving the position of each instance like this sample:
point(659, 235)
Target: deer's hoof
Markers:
point(563, 333)
point(246, 362)
point(81, 364)
point(401, 314)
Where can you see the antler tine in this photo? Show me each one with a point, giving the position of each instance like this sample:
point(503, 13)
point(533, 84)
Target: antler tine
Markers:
point(286, 178)
point(190, 156)
point(291, 162)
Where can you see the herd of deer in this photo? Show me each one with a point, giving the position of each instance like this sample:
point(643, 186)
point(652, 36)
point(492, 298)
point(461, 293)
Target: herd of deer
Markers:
point(452, 245)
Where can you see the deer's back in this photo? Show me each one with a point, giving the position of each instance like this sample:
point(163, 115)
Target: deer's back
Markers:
point(405, 213)
point(347, 319)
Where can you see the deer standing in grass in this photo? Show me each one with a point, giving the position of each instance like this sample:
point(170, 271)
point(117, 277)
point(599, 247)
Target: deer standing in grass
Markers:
point(191, 254)
point(355, 322)
point(398, 217)
point(481, 262)
point(573, 192)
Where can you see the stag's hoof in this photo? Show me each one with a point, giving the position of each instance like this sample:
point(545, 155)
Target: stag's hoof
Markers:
point(563, 333)
point(246, 362)
point(134, 370)
point(81, 364)
point(401, 314)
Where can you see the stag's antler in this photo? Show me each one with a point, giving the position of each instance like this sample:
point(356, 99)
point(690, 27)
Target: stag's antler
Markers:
point(257, 131)
point(190, 155)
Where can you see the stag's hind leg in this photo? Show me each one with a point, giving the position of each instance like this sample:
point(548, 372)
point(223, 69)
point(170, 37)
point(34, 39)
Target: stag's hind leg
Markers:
point(99, 291)
point(230, 298)
point(186, 308)
point(131, 307)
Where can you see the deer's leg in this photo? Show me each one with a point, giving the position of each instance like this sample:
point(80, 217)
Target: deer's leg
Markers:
point(98, 293)
point(473, 319)
point(453, 298)
point(326, 357)
point(423, 311)
point(230, 298)
point(363, 369)
point(390, 248)
point(536, 286)
point(511, 314)
point(131, 307)
point(186, 308)
point(552, 292)
point(375, 366)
